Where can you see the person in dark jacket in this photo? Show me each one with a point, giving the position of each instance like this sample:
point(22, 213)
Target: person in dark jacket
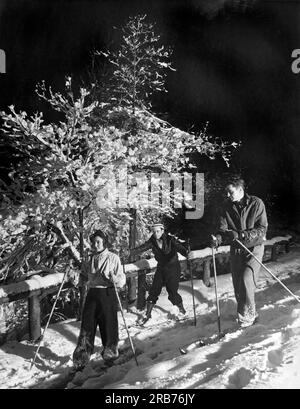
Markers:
point(165, 248)
point(101, 304)
point(244, 218)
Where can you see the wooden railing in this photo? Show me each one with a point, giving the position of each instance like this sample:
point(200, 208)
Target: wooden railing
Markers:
point(37, 287)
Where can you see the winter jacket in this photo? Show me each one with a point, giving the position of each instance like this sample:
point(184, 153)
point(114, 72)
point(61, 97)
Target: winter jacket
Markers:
point(101, 267)
point(248, 217)
point(166, 257)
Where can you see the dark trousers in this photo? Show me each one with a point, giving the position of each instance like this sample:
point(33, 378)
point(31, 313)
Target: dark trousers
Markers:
point(100, 309)
point(168, 279)
point(244, 270)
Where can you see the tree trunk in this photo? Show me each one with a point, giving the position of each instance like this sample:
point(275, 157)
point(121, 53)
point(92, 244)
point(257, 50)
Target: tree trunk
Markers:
point(132, 281)
point(83, 279)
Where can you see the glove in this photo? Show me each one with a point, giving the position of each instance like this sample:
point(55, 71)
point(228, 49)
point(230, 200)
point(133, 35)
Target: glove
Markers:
point(250, 238)
point(231, 235)
point(214, 242)
point(242, 235)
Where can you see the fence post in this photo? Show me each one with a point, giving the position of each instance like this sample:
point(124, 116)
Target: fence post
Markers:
point(131, 289)
point(274, 252)
point(206, 272)
point(34, 317)
point(141, 296)
point(287, 247)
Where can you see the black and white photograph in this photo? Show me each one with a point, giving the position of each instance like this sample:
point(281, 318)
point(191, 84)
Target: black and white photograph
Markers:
point(150, 197)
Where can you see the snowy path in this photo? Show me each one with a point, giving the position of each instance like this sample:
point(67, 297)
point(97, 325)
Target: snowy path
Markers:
point(266, 355)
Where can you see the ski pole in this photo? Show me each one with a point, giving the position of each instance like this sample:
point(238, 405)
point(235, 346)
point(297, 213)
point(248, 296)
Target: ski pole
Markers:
point(216, 290)
point(121, 308)
point(270, 272)
point(50, 316)
point(192, 281)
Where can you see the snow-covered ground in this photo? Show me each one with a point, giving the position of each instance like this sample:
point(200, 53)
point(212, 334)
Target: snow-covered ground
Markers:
point(266, 355)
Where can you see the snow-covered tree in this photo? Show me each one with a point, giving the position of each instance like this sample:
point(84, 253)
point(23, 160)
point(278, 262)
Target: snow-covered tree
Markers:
point(139, 67)
point(67, 175)
point(140, 64)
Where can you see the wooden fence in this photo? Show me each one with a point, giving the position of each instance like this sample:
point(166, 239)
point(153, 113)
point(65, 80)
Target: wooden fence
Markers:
point(36, 288)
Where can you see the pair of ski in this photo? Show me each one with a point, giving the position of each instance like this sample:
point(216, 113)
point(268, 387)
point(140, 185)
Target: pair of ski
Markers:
point(201, 342)
point(142, 323)
point(62, 381)
point(189, 346)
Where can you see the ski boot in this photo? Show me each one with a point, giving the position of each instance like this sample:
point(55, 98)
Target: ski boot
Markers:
point(82, 354)
point(109, 354)
point(247, 319)
point(179, 312)
point(181, 309)
point(149, 308)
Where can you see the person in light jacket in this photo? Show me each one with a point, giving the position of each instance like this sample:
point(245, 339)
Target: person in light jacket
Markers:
point(244, 218)
point(101, 305)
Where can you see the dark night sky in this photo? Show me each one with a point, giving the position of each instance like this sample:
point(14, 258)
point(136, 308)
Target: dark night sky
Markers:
point(233, 70)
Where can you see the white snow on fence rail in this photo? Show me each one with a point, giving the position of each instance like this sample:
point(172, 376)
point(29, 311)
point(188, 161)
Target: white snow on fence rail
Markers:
point(226, 249)
point(37, 282)
point(195, 254)
point(277, 240)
